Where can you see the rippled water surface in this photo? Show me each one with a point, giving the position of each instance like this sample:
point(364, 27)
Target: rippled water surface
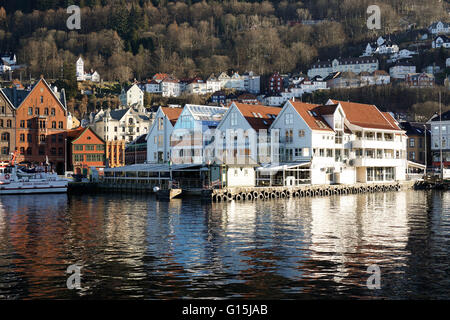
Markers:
point(131, 246)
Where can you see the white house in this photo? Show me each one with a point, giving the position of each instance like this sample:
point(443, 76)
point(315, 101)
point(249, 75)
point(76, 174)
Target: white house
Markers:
point(171, 87)
point(132, 96)
point(197, 86)
point(158, 138)
point(339, 142)
point(440, 41)
point(245, 82)
point(213, 84)
point(401, 70)
point(439, 27)
point(152, 86)
point(189, 136)
point(440, 131)
point(355, 65)
point(81, 75)
point(402, 54)
point(242, 146)
point(125, 123)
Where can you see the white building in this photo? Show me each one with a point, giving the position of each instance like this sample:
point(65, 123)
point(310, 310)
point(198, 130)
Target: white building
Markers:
point(132, 96)
point(171, 87)
point(213, 84)
point(243, 149)
point(125, 123)
point(440, 131)
point(246, 82)
point(401, 70)
point(158, 138)
point(355, 65)
point(339, 142)
point(440, 41)
point(188, 139)
point(152, 86)
point(196, 86)
point(439, 27)
point(402, 54)
point(94, 76)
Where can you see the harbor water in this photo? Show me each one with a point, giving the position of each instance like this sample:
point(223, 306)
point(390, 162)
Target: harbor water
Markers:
point(133, 246)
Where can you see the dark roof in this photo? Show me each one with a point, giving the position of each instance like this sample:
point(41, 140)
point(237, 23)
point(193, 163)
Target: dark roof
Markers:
point(15, 96)
point(118, 114)
point(445, 116)
point(413, 128)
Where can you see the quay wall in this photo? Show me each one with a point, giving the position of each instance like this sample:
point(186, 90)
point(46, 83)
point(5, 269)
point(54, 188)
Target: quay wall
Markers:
point(253, 193)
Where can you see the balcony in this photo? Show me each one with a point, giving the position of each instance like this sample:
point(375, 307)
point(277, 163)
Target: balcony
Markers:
point(376, 144)
point(376, 162)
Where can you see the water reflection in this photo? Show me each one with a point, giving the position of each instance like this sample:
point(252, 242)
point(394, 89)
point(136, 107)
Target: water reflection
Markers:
point(135, 247)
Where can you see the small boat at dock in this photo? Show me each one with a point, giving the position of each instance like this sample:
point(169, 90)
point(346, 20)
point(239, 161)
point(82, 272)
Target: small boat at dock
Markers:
point(14, 180)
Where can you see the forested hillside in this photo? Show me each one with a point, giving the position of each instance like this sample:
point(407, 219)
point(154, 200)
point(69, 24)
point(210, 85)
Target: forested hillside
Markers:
point(133, 39)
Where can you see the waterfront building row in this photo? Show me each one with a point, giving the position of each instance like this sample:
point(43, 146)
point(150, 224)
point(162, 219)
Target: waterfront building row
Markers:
point(246, 145)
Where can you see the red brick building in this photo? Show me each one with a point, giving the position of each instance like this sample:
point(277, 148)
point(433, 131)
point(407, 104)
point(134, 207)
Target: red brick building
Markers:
point(275, 83)
point(41, 122)
point(85, 149)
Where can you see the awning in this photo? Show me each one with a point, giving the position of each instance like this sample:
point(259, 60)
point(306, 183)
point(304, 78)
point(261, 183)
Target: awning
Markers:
point(416, 165)
point(153, 167)
point(281, 167)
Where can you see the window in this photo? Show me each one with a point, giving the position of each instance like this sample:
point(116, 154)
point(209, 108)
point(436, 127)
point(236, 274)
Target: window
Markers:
point(301, 133)
point(22, 137)
point(233, 119)
point(289, 136)
point(1, 123)
point(289, 118)
point(160, 123)
point(42, 138)
point(411, 142)
point(5, 150)
point(298, 152)
point(412, 155)
point(22, 123)
point(53, 151)
point(41, 151)
point(29, 138)
point(60, 138)
point(54, 124)
point(78, 147)
point(8, 123)
point(79, 157)
point(22, 150)
point(29, 151)
point(53, 111)
point(5, 136)
point(60, 125)
point(60, 151)
point(53, 138)
point(90, 147)
point(42, 99)
point(100, 147)
point(30, 111)
point(29, 124)
point(36, 111)
point(46, 111)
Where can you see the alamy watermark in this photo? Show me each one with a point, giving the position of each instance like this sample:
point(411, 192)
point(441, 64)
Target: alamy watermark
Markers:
point(374, 20)
point(374, 280)
point(74, 21)
point(74, 280)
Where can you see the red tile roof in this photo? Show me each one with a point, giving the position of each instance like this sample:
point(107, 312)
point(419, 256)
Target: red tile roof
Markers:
point(367, 116)
point(172, 113)
point(258, 116)
point(160, 76)
point(312, 114)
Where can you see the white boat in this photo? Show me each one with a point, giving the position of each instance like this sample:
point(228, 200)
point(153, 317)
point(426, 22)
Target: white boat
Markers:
point(15, 181)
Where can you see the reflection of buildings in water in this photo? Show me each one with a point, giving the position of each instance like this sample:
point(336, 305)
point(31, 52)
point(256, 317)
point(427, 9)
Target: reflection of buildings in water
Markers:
point(355, 231)
point(32, 229)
